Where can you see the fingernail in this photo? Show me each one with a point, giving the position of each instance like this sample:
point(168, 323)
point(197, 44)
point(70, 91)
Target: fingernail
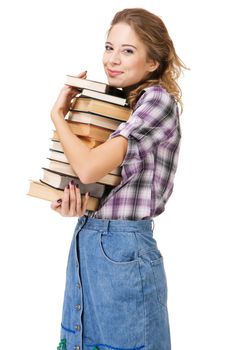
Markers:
point(59, 200)
point(77, 185)
point(72, 182)
point(67, 186)
point(88, 193)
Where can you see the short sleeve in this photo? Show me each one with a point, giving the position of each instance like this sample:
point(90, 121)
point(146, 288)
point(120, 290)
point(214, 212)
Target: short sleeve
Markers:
point(153, 120)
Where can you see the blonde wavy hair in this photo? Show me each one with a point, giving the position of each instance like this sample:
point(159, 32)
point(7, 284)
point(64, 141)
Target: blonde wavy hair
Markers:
point(152, 32)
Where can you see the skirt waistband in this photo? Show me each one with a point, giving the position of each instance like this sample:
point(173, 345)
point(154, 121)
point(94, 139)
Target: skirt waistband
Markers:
point(116, 225)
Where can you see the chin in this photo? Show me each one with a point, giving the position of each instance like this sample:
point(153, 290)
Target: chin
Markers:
point(116, 83)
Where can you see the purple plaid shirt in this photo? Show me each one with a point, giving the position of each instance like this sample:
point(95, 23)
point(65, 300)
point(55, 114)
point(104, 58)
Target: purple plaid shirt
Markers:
point(153, 133)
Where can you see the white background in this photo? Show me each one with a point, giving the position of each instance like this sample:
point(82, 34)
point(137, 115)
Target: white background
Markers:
point(41, 42)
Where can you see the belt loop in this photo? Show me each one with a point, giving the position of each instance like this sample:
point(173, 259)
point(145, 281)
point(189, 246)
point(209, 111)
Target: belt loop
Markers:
point(105, 226)
point(85, 217)
point(108, 226)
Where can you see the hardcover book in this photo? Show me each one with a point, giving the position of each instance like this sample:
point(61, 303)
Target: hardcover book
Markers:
point(93, 85)
point(66, 169)
point(89, 130)
point(106, 109)
point(93, 119)
point(104, 97)
point(60, 181)
point(88, 141)
point(42, 191)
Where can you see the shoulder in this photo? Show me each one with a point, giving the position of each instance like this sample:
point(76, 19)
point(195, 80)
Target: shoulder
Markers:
point(155, 96)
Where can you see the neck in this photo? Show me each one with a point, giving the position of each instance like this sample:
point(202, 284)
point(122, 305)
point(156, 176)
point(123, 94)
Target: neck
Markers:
point(130, 88)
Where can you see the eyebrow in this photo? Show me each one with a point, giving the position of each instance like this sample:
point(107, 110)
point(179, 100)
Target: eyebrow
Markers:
point(108, 42)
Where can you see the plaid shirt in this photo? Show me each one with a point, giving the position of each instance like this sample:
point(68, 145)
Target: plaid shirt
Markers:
point(153, 133)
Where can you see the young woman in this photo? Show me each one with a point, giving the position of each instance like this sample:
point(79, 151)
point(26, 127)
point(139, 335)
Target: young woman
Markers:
point(116, 292)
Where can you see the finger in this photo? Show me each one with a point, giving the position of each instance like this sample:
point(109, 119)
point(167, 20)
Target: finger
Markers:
point(72, 209)
point(78, 201)
point(56, 204)
point(65, 205)
point(82, 74)
point(85, 202)
point(73, 92)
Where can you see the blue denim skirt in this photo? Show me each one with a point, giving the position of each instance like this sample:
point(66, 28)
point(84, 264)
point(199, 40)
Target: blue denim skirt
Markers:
point(116, 292)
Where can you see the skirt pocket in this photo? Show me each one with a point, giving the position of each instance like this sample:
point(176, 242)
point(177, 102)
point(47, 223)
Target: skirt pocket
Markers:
point(160, 280)
point(119, 248)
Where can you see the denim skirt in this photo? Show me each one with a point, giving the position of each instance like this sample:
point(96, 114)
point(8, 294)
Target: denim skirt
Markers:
point(116, 291)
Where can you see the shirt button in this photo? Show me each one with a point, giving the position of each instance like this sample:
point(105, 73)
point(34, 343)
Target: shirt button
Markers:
point(78, 306)
point(77, 327)
point(78, 285)
point(77, 347)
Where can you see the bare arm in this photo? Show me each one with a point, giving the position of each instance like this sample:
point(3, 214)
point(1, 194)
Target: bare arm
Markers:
point(90, 165)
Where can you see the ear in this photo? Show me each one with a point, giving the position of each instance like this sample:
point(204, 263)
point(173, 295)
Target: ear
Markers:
point(152, 65)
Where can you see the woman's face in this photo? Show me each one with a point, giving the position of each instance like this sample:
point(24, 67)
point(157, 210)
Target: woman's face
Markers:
point(125, 58)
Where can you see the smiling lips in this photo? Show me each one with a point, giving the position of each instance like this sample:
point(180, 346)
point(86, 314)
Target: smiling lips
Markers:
point(114, 73)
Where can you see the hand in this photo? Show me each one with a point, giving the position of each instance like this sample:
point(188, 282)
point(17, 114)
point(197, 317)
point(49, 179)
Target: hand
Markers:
point(71, 203)
point(67, 93)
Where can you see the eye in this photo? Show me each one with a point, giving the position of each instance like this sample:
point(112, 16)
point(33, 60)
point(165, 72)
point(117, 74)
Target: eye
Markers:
point(108, 48)
point(128, 51)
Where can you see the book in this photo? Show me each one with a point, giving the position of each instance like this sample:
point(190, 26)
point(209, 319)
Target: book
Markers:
point(88, 141)
point(106, 109)
point(42, 191)
point(60, 156)
point(56, 146)
point(89, 130)
point(93, 116)
point(104, 97)
point(94, 119)
point(93, 85)
point(60, 181)
point(66, 169)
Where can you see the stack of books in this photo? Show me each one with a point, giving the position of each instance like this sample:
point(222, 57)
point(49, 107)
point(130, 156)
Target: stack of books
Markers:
point(94, 114)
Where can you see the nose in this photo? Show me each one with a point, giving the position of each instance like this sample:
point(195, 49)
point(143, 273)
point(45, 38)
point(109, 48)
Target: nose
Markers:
point(114, 58)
